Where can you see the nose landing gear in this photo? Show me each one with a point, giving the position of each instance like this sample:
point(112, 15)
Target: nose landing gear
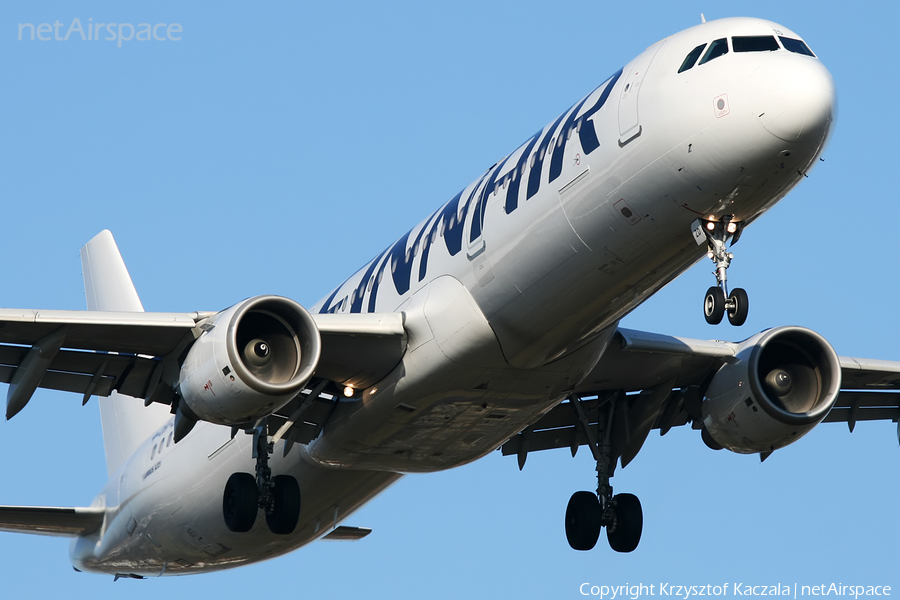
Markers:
point(718, 301)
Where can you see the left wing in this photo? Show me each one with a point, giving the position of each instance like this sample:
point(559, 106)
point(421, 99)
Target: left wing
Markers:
point(650, 381)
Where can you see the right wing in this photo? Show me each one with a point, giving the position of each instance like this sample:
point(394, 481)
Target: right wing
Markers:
point(94, 353)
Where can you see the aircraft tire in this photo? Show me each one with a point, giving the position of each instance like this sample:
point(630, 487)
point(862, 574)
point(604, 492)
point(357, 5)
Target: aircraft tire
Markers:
point(714, 305)
point(240, 502)
point(740, 303)
point(283, 519)
point(583, 520)
point(625, 535)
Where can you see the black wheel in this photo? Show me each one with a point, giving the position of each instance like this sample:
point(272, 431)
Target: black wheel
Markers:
point(740, 306)
point(625, 534)
point(714, 305)
point(283, 519)
point(583, 520)
point(240, 502)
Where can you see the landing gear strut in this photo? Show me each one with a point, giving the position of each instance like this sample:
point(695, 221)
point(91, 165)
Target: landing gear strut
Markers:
point(717, 300)
point(587, 512)
point(278, 496)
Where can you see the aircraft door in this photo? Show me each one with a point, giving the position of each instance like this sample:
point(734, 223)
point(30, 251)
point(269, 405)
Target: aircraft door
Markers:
point(473, 237)
point(473, 232)
point(629, 118)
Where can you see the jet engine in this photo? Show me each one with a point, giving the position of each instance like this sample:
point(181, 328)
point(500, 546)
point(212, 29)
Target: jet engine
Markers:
point(250, 360)
point(781, 384)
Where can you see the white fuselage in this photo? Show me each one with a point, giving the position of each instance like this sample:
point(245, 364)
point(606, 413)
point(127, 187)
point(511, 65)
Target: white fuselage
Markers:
point(511, 292)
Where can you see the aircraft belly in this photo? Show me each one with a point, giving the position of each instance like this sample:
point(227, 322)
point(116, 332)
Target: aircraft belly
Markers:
point(179, 528)
point(453, 399)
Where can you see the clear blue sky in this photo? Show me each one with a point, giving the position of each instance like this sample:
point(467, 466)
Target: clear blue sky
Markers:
point(276, 149)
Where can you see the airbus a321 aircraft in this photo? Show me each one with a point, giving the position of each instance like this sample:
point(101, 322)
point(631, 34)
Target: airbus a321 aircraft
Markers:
point(235, 436)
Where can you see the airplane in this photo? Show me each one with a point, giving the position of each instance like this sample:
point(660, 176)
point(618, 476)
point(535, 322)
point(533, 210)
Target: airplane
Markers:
point(238, 435)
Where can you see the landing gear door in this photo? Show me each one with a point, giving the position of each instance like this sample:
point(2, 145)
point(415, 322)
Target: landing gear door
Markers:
point(629, 118)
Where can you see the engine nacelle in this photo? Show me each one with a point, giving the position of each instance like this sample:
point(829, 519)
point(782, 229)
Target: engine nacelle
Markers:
point(781, 384)
point(251, 360)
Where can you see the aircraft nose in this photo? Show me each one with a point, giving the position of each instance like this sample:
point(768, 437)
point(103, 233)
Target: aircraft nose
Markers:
point(793, 97)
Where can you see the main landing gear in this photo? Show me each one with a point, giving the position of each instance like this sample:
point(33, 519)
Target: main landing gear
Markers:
point(718, 301)
point(588, 512)
point(245, 495)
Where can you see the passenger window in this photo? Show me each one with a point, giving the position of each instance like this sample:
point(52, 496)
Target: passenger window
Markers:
point(796, 46)
point(754, 43)
point(691, 58)
point(716, 49)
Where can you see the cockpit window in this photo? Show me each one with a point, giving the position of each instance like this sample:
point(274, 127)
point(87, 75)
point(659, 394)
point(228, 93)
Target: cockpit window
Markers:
point(798, 46)
point(716, 49)
point(754, 43)
point(691, 58)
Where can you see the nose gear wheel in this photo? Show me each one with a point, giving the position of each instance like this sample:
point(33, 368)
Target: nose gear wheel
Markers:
point(718, 302)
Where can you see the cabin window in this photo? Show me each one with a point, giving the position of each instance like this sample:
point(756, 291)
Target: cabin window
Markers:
point(169, 441)
point(716, 49)
point(691, 59)
point(796, 46)
point(754, 43)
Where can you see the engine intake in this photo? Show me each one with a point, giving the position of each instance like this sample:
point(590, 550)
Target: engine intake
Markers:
point(782, 383)
point(251, 360)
